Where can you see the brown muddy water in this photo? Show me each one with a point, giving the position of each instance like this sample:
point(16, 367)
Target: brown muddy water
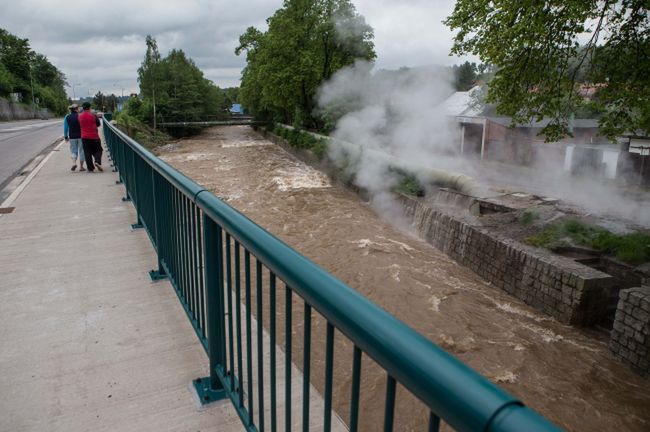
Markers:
point(566, 374)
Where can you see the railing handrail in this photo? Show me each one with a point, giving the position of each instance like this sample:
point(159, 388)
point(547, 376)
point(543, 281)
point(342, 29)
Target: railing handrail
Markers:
point(460, 396)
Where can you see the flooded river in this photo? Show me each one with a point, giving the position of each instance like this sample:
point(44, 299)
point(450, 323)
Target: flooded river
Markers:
point(564, 373)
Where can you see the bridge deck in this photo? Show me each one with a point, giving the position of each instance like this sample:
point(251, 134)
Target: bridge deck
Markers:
point(87, 341)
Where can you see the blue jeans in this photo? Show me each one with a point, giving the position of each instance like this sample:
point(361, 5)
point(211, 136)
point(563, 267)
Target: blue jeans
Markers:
point(76, 149)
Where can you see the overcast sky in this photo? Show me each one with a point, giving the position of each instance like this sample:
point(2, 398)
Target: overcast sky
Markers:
point(100, 45)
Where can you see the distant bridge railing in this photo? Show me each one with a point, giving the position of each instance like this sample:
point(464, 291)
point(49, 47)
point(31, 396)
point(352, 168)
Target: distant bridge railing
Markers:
point(201, 243)
point(240, 121)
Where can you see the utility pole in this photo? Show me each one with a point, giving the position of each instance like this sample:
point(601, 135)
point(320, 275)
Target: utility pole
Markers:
point(74, 96)
point(154, 108)
point(31, 82)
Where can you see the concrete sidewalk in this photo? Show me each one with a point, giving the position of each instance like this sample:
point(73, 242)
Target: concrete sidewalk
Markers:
point(87, 341)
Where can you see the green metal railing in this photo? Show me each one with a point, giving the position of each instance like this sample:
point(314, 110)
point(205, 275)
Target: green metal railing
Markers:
point(201, 243)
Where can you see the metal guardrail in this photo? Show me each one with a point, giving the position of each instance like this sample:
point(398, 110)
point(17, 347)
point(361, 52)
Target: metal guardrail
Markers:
point(200, 242)
point(209, 123)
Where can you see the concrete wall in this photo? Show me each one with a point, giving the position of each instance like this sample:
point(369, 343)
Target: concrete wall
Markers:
point(630, 337)
point(13, 111)
point(569, 291)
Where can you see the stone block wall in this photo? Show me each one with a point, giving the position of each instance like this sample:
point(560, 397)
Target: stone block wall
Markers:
point(14, 111)
point(630, 337)
point(558, 286)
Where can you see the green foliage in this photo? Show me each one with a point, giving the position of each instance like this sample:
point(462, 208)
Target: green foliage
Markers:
point(140, 132)
point(528, 217)
point(633, 248)
point(465, 75)
point(409, 185)
point(232, 95)
point(177, 89)
point(23, 71)
point(303, 140)
point(306, 42)
point(542, 68)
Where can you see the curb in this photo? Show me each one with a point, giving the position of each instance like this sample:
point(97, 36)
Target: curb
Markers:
point(11, 198)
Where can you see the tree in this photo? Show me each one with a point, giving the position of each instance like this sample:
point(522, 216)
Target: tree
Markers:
point(99, 101)
point(232, 95)
point(306, 42)
point(178, 87)
point(465, 76)
point(148, 71)
point(547, 54)
point(23, 71)
point(16, 56)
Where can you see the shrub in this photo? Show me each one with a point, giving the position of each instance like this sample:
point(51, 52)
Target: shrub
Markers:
point(528, 217)
point(633, 248)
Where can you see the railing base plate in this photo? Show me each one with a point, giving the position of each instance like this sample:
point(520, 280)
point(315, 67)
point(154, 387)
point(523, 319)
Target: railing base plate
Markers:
point(136, 226)
point(126, 199)
point(118, 181)
point(156, 275)
point(205, 393)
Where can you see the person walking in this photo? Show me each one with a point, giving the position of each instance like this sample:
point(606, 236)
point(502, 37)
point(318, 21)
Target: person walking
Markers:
point(72, 133)
point(92, 145)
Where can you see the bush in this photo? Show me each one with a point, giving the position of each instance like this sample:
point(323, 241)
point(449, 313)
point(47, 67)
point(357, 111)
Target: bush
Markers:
point(528, 217)
point(302, 140)
point(633, 248)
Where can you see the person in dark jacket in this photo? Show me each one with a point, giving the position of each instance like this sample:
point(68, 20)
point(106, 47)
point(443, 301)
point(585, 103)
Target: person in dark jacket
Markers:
point(72, 133)
point(89, 123)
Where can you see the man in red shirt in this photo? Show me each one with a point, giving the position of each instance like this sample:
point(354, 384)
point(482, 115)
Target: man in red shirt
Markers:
point(89, 123)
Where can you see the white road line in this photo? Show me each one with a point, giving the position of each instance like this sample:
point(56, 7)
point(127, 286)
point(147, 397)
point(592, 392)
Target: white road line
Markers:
point(11, 198)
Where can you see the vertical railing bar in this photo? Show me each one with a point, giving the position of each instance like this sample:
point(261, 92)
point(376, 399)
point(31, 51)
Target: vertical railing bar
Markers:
point(287, 360)
point(389, 410)
point(179, 248)
point(434, 423)
point(201, 277)
point(191, 258)
point(230, 318)
point(214, 285)
point(195, 264)
point(240, 373)
point(356, 385)
point(306, 368)
point(179, 244)
point(249, 342)
point(260, 344)
point(272, 347)
point(174, 237)
point(185, 248)
point(329, 369)
point(174, 195)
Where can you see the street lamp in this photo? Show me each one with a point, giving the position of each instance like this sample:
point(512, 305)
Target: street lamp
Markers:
point(74, 96)
point(122, 87)
point(122, 98)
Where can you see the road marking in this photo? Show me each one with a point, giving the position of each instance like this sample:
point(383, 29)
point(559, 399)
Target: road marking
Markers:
point(11, 198)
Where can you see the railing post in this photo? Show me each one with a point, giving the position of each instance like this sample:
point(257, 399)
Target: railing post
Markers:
point(135, 197)
point(211, 388)
point(160, 273)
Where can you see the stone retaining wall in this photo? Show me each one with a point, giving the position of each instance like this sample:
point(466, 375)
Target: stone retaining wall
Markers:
point(630, 337)
point(558, 286)
point(14, 111)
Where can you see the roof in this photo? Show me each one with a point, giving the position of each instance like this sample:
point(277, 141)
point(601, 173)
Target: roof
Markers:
point(462, 103)
point(577, 123)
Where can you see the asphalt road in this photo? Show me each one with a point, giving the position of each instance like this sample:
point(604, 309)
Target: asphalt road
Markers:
point(22, 141)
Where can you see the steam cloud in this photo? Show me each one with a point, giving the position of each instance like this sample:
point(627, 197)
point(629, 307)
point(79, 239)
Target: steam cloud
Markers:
point(396, 118)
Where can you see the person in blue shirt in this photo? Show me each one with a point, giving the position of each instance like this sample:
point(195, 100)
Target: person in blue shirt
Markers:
point(72, 133)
